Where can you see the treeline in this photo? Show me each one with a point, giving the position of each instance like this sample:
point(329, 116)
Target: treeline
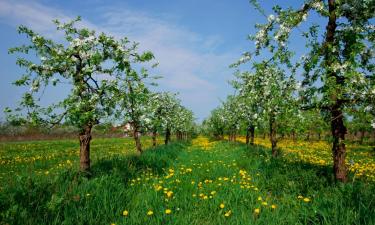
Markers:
point(330, 89)
point(109, 80)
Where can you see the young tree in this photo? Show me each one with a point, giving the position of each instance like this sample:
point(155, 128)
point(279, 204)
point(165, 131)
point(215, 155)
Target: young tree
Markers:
point(231, 115)
point(272, 91)
point(248, 106)
point(167, 109)
point(80, 61)
point(215, 123)
point(132, 93)
point(342, 61)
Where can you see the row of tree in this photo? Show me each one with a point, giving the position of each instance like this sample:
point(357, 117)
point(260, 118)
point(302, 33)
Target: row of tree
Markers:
point(109, 80)
point(337, 74)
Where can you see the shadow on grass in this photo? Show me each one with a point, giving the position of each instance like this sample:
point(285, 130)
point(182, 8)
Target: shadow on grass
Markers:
point(153, 159)
point(283, 177)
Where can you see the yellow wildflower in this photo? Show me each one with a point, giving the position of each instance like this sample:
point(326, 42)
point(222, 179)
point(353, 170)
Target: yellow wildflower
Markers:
point(306, 199)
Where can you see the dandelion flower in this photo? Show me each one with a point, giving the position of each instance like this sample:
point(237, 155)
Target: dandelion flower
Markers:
point(300, 197)
point(168, 211)
point(125, 213)
point(257, 211)
point(222, 206)
point(150, 213)
point(273, 206)
point(306, 200)
point(227, 214)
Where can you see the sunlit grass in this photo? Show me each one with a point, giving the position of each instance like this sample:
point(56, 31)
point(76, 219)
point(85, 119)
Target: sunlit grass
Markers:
point(197, 182)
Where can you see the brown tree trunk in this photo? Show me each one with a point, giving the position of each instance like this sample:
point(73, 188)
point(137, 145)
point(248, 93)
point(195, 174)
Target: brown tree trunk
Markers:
point(167, 136)
point(273, 138)
point(294, 136)
point(338, 149)
point(137, 140)
point(362, 137)
point(338, 128)
point(154, 133)
point(247, 135)
point(252, 134)
point(84, 153)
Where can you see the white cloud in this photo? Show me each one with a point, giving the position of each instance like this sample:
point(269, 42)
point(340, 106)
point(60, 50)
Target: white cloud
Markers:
point(188, 61)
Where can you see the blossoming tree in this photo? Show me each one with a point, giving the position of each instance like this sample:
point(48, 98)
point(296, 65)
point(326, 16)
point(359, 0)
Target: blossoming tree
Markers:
point(339, 68)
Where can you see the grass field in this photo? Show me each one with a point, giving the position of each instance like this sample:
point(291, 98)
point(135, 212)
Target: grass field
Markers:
point(196, 182)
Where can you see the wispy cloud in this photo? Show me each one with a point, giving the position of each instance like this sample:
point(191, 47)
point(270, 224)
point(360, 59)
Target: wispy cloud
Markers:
point(189, 62)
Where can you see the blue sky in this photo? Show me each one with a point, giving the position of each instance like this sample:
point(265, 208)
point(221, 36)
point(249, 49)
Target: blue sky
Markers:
point(194, 41)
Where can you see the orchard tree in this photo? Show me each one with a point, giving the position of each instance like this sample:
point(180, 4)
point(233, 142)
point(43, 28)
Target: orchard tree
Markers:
point(231, 115)
point(248, 106)
point(269, 92)
point(215, 123)
point(79, 60)
point(167, 109)
point(154, 112)
point(342, 62)
point(132, 93)
point(184, 123)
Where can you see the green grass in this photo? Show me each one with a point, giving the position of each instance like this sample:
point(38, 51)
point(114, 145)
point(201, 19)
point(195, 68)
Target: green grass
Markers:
point(228, 173)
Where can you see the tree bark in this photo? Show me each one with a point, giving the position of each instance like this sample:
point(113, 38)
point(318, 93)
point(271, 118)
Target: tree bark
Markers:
point(137, 139)
point(362, 137)
point(252, 134)
point(247, 135)
point(338, 128)
point(167, 136)
point(273, 138)
point(154, 133)
point(84, 153)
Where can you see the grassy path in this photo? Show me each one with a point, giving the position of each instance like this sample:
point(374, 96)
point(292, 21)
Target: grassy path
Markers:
point(201, 182)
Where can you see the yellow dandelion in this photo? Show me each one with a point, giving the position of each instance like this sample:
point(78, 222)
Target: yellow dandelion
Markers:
point(227, 214)
point(150, 213)
point(300, 197)
point(306, 200)
point(273, 206)
point(168, 211)
point(257, 211)
point(222, 206)
point(264, 203)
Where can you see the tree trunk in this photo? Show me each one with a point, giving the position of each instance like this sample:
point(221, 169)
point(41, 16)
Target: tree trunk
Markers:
point(338, 128)
point(319, 136)
point(252, 134)
point(154, 133)
point(247, 135)
point(273, 138)
point(362, 137)
point(137, 140)
point(294, 136)
point(84, 153)
point(167, 136)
